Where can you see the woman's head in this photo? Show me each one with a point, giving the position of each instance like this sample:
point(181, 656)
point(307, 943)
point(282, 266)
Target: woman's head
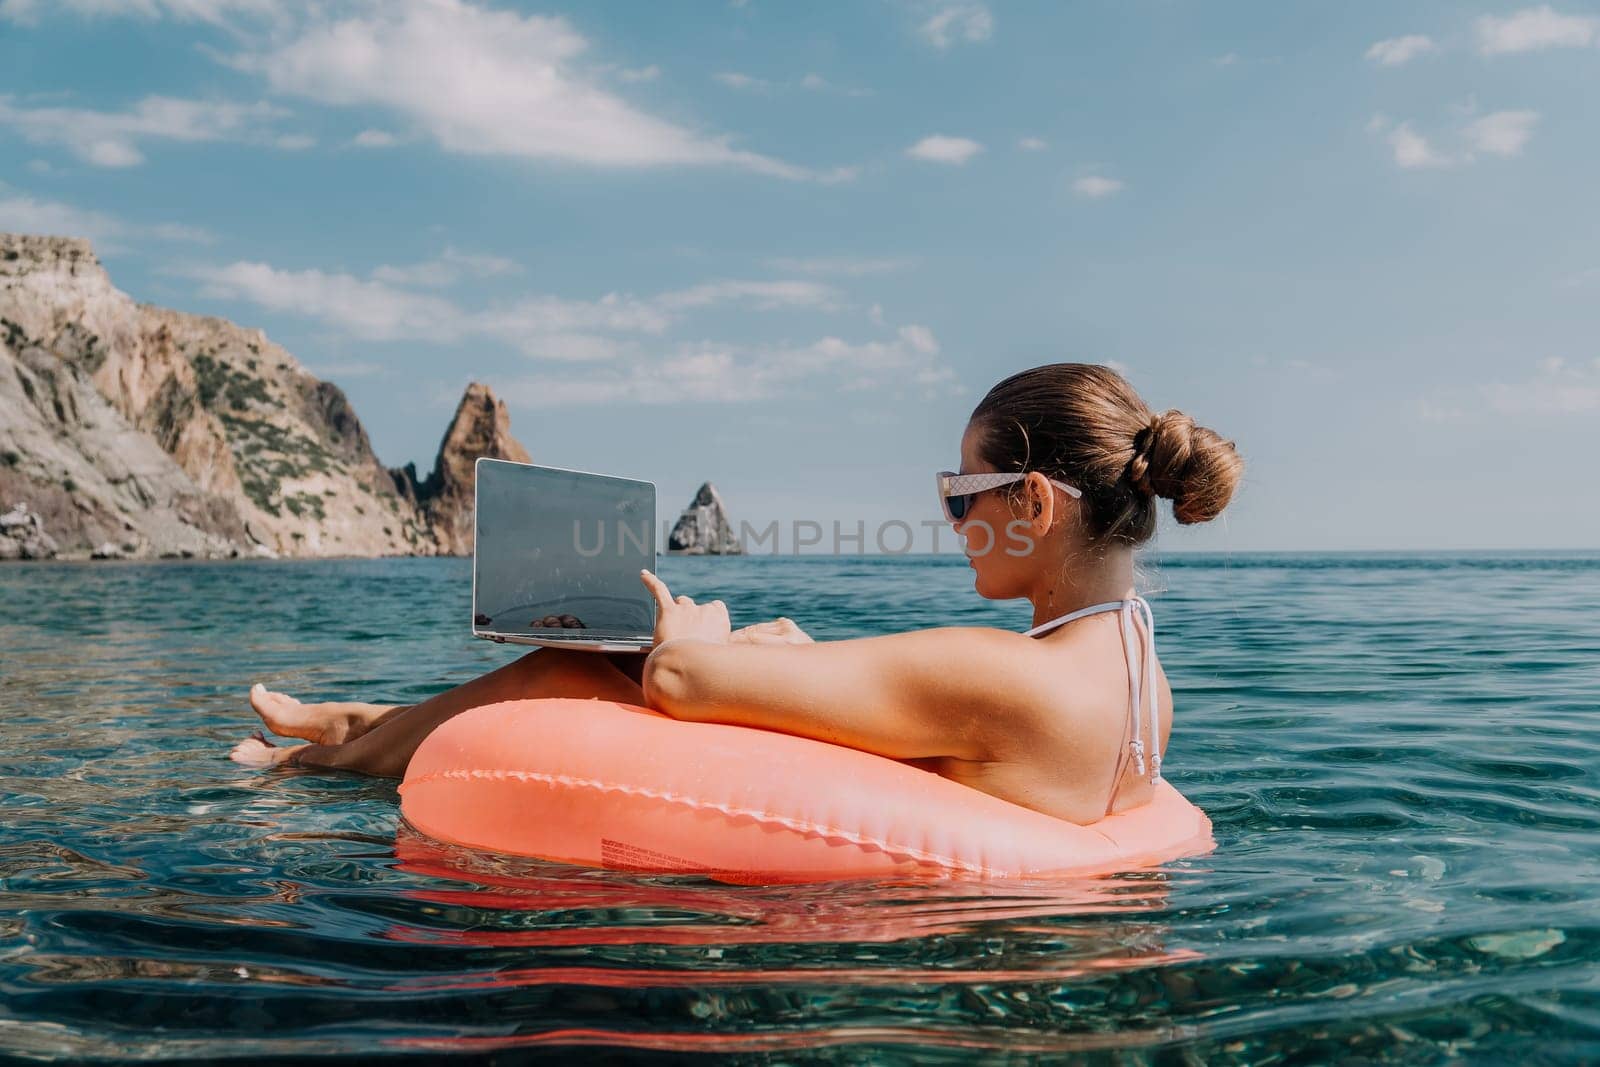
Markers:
point(1084, 425)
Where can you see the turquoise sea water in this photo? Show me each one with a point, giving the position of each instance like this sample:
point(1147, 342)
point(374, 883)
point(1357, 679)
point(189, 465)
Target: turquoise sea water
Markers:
point(1399, 754)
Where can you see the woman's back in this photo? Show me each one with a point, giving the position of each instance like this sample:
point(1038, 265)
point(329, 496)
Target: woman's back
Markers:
point(1082, 748)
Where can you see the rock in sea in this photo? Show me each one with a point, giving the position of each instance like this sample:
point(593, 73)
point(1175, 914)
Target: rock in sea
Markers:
point(481, 428)
point(704, 528)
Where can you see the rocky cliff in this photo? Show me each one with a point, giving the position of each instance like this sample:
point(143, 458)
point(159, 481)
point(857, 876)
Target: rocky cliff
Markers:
point(481, 428)
point(131, 430)
point(704, 528)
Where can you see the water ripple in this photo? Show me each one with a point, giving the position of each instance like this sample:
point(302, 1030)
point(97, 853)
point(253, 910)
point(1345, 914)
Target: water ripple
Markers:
point(1397, 753)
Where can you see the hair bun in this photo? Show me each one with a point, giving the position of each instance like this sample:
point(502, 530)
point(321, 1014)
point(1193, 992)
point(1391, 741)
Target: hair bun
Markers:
point(1191, 466)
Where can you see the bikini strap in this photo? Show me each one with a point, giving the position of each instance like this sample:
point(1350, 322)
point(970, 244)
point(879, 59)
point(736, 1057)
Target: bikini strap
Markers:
point(1141, 659)
point(1142, 606)
point(1046, 627)
point(1134, 654)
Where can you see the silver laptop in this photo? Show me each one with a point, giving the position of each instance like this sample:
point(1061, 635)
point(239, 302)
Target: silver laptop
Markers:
point(556, 558)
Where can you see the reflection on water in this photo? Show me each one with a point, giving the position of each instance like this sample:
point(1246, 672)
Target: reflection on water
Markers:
point(1397, 755)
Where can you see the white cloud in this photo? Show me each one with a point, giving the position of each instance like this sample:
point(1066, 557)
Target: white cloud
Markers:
point(449, 267)
point(710, 372)
point(1096, 186)
point(742, 82)
point(837, 175)
point(526, 322)
point(571, 347)
point(846, 266)
point(371, 311)
point(957, 22)
point(940, 149)
point(919, 339)
point(1412, 150)
point(111, 138)
point(490, 82)
point(612, 345)
point(640, 74)
point(763, 295)
point(1227, 59)
point(816, 83)
point(812, 83)
point(1503, 133)
point(212, 11)
point(375, 139)
point(1395, 51)
point(1557, 388)
point(712, 375)
point(1033, 144)
point(21, 213)
point(1437, 411)
point(1500, 133)
point(1533, 29)
point(386, 306)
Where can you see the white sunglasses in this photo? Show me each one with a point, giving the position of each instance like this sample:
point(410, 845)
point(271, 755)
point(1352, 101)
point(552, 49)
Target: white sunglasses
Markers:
point(957, 491)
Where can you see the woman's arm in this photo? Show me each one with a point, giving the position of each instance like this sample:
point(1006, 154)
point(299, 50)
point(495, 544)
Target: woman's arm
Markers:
point(964, 692)
point(780, 631)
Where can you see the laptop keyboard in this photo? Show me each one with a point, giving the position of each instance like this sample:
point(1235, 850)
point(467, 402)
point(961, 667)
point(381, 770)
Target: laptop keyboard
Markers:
point(580, 636)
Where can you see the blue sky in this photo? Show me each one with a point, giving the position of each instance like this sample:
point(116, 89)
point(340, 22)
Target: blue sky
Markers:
point(787, 247)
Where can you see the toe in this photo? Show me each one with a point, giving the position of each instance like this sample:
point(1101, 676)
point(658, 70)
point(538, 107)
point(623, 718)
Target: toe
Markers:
point(254, 752)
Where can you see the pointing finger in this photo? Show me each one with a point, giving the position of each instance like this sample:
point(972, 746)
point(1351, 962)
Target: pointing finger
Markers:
point(658, 589)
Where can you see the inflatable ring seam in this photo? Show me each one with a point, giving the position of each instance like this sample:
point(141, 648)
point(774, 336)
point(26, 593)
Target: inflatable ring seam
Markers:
point(1101, 834)
point(767, 817)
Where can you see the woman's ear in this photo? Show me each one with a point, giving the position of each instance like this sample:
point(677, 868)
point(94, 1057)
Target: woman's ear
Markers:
point(1038, 493)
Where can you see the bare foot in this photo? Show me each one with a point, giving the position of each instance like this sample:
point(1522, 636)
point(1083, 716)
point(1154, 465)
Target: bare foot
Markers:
point(331, 723)
point(257, 751)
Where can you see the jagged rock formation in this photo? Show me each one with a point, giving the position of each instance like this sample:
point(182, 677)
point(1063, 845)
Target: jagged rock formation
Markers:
point(22, 535)
point(481, 427)
point(703, 529)
point(130, 430)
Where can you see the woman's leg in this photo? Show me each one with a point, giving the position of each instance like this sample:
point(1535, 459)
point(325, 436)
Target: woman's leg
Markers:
point(329, 723)
point(387, 745)
point(334, 722)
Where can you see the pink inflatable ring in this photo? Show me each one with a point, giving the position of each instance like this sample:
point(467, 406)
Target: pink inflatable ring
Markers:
point(602, 784)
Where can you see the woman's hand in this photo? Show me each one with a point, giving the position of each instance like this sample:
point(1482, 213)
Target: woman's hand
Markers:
point(682, 617)
point(780, 631)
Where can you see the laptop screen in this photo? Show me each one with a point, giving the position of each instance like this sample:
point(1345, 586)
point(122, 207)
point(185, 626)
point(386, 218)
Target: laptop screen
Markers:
point(559, 552)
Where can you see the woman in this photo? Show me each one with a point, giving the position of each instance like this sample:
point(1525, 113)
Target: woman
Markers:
point(1065, 719)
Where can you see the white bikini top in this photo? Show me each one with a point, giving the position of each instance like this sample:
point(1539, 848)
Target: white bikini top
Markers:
point(1140, 681)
